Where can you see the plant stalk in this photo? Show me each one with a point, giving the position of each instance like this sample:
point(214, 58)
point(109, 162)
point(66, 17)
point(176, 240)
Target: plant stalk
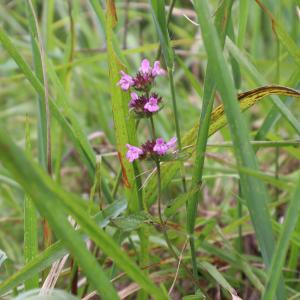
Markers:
point(177, 128)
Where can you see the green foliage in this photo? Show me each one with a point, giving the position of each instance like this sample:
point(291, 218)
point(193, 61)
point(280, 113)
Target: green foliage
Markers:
point(226, 225)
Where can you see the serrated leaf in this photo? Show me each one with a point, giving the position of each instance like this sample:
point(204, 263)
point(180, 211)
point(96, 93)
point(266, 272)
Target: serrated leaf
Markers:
point(132, 222)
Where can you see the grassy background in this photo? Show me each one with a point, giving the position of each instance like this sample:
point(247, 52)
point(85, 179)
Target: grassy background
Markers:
point(66, 56)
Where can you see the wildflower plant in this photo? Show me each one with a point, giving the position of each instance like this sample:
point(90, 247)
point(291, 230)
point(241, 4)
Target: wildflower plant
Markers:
point(144, 104)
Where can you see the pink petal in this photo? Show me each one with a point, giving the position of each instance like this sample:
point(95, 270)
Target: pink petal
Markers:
point(172, 142)
point(145, 66)
point(134, 96)
point(157, 70)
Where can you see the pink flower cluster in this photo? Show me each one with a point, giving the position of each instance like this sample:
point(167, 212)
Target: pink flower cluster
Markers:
point(144, 77)
point(143, 105)
point(151, 148)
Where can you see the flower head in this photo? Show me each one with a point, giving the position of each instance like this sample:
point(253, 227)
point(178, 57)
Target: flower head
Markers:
point(133, 152)
point(152, 104)
point(161, 147)
point(126, 81)
point(150, 149)
point(157, 70)
point(144, 79)
point(144, 106)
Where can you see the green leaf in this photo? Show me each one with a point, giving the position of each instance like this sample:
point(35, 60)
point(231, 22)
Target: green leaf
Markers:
point(42, 261)
point(56, 251)
point(160, 21)
point(132, 221)
point(278, 260)
point(53, 203)
point(174, 205)
point(123, 122)
point(76, 135)
point(223, 13)
point(258, 78)
point(213, 272)
point(217, 121)
point(254, 191)
point(30, 227)
point(283, 36)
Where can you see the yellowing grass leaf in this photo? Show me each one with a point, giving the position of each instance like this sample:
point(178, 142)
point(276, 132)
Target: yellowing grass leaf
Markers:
point(218, 120)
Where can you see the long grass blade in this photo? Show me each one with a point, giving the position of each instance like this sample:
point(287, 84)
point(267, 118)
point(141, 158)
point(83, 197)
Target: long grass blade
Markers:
point(78, 137)
point(124, 123)
point(30, 227)
point(52, 201)
point(254, 190)
point(57, 250)
point(204, 125)
point(278, 260)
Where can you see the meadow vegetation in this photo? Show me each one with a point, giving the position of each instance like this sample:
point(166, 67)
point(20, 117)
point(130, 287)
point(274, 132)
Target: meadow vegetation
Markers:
point(149, 149)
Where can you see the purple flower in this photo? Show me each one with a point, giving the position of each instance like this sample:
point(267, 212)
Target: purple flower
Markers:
point(133, 152)
point(160, 146)
point(152, 104)
point(145, 66)
point(157, 70)
point(144, 106)
point(126, 81)
point(134, 99)
point(172, 143)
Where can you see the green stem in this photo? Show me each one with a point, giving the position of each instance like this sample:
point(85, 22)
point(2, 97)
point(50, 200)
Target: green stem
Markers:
point(240, 214)
point(152, 128)
point(163, 223)
point(117, 184)
point(177, 128)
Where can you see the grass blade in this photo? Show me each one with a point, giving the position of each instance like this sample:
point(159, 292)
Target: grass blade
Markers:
point(76, 135)
point(258, 78)
point(54, 202)
point(278, 260)
point(204, 125)
point(30, 227)
point(253, 189)
point(217, 121)
point(160, 20)
point(57, 250)
point(124, 123)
